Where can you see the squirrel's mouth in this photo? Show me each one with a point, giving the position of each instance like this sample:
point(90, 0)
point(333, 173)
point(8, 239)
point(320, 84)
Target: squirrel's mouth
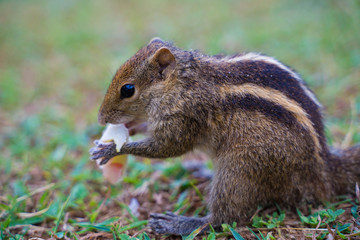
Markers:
point(136, 126)
point(132, 123)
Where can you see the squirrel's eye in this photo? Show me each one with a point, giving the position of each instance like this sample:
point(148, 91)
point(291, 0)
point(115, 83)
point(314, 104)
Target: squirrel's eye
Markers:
point(127, 91)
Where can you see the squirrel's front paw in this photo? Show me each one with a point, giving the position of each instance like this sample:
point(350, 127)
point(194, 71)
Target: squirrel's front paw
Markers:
point(172, 224)
point(103, 151)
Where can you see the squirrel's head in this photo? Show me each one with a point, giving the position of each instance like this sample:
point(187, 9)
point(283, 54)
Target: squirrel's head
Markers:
point(135, 83)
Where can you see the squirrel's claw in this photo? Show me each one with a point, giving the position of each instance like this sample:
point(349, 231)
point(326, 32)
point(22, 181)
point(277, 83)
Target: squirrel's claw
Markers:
point(167, 216)
point(96, 153)
point(170, 223)
point(103, 151)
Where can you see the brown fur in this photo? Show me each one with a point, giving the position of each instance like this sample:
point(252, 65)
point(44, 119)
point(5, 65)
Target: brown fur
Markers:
point(254, 116)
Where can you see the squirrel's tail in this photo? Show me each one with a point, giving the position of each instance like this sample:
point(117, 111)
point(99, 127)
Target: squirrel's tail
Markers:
point(344, 168)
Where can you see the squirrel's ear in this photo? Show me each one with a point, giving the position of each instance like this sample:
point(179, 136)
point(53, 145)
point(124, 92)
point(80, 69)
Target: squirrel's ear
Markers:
point(156, 39)
point(165, 60)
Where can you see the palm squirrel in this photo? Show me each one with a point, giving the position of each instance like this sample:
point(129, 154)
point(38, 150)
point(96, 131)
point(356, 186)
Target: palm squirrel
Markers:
point(254, 116)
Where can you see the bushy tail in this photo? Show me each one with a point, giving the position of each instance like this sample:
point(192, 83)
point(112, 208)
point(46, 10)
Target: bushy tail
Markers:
point(344, 167)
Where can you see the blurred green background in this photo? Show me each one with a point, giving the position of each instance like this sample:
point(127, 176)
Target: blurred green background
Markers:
point(58, 57)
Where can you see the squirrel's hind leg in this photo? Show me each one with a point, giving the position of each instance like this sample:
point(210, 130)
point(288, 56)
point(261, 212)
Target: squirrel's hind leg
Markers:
point(172, 224)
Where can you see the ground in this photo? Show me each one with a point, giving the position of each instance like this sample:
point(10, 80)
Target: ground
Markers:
point(56, 60)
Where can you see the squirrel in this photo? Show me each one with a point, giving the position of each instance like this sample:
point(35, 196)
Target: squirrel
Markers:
point(255, 117)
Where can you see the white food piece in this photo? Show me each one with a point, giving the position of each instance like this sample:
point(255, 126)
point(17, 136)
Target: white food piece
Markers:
point(118, 133)
point(114, 169)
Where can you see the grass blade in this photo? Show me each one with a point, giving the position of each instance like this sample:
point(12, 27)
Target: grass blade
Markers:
point(60, 214)
point(236, 235)
point(196, 232)
point(257, 237)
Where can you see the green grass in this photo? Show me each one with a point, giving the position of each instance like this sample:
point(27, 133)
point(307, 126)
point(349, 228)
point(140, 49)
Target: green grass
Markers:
point(57, 59)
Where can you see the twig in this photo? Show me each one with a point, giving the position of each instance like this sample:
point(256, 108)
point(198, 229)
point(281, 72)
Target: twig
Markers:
point(320, 221)
point(141, 231)
point(96, 236)
point(303, 229)
point(107, 196)
point(39, 190)
point(331, 231)
point(24, 215)
point(353, 234)
point(145, 187)
point(36, 228)
point(256, 212)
